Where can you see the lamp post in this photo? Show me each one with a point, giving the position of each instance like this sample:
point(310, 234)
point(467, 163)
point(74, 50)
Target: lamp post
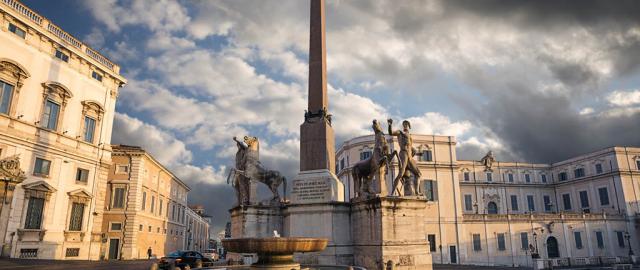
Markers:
point(628, 237)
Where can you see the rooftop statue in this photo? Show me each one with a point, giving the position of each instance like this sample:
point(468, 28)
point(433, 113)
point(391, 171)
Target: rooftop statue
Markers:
point(249, 168)
point(488, 160)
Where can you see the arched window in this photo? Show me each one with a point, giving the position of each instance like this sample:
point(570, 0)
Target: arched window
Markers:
point(12, 76)
point(492, 208)
point(55, 98)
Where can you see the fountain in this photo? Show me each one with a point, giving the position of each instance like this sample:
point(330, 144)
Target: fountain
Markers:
point(275, 252)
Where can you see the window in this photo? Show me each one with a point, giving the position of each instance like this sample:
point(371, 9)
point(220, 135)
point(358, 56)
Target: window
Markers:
point(153, 204)
point(140, 227)
point(547, 203)
point(42, 167)
point(524, 240)
point(122, 169)
point(476, 242)
point(6, 94)
point(514, 202)
point(342, 163)
point(72, 252)
point(50, 115)
point(17, 30)
point(28, 253)
point(82, 175)
point(89, 129)
point(620, 236)
point(144, 200)
point(562, 176)
point(468, 204)
point(116, 226)
point(578, 238)
point(489, 177)
point(492, 208)
point(365, 154)
point(96, 76)
point(527, 178)
point(531, 203)
point(638, 164)
point(598, 168)
point(118, 198)
point(432, 242)
point(149, 229)
point(62, 56)
point(510, 176)
point(599, 239)
point(584, 199)
point(160, 204)
point(466, 176)
point(430, 190)
point(77, 213)
point(543, 178)
point(604, 196)
point(34, 213)
point(501, 242)
point(566, 201)
point(427, 155)
point(579, 172)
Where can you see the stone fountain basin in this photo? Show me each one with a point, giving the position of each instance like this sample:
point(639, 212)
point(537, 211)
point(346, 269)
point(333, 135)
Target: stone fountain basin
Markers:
point(275, 245)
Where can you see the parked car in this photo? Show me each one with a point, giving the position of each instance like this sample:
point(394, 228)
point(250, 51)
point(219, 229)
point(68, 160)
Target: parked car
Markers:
point(184, 259)
point(211, 254)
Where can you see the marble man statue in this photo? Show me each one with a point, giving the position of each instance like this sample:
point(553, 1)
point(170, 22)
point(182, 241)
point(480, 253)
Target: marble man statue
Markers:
point(364, 171)
point(406, 163)
point(249, 168)
point(488, 160)
point(241, 183)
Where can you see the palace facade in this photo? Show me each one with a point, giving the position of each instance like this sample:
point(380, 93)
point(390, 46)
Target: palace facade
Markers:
point(579, 211)
point(57, 100)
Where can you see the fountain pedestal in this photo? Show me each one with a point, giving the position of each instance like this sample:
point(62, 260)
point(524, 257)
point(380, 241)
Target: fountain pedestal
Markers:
point(275, 253)
point(389, 233)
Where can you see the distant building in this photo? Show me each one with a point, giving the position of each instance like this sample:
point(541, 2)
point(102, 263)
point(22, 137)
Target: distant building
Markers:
point(197, 229)
point(147, 207)
point(498, 212)
point(57, 100)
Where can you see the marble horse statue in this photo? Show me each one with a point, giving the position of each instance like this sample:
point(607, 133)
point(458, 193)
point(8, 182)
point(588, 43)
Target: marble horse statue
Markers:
point(248, 167)
point(364, 171)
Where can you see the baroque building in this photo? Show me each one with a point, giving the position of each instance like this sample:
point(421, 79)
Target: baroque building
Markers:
point(57, 100)
point(145, 207)
point(578, 211)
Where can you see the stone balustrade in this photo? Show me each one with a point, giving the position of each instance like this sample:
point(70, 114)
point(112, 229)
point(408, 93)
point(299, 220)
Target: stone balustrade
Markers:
point(540, 217)
point(61, 34)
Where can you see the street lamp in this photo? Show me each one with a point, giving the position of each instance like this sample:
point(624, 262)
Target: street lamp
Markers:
point(628, 237)
point(535, 241)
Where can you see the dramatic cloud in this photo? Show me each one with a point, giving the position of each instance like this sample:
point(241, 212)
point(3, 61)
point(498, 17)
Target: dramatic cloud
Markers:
point(533, 81)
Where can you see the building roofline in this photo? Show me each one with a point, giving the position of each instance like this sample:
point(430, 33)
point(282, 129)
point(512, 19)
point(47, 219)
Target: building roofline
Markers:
point(132, 149)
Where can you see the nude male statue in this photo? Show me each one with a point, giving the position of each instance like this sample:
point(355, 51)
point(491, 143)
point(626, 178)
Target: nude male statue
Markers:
point(405, 157)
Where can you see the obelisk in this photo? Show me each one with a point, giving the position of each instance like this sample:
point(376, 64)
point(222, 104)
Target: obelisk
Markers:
point(316, 181)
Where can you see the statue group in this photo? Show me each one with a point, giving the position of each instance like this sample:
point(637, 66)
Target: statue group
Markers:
point(380, 159)
point(249, 168)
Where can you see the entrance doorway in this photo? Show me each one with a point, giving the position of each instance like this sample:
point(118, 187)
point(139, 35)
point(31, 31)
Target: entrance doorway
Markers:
point(452, 254)
point(114, 248)
point(552, 247)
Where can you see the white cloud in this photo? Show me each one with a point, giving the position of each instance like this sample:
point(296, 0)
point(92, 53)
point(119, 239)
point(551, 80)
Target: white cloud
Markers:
point(162, 145)
point(624, 98)
point(156, 15)
point(586, 111)
point(438, 124)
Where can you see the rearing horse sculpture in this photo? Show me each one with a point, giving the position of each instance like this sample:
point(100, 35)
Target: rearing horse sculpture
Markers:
point(364, 171)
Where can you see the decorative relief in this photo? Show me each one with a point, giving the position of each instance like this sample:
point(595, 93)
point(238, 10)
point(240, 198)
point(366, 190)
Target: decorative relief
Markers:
point(10, 169)
point(404, 260)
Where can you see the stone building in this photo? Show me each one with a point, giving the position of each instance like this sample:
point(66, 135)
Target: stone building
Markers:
point(197, 223)
point(57, 100)
point(580, 211)
point(146, 207)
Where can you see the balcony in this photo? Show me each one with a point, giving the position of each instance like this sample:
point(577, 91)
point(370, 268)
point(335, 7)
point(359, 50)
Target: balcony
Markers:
point(541, 217)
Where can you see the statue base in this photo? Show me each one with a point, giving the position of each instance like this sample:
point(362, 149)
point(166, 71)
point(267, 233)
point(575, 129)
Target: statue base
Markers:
point(316, 186)
point(255, 221)
point(389, 233)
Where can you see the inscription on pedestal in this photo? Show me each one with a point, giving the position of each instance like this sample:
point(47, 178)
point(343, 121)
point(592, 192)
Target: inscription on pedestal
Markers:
point(317, 189)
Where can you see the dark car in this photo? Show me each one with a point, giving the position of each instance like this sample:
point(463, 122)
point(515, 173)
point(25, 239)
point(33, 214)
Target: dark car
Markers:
point(184, 260)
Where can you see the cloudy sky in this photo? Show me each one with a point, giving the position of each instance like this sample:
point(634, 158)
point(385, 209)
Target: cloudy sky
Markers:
point(534, 81)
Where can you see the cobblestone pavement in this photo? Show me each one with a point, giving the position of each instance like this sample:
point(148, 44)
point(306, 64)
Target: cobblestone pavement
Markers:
point(73, 265)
